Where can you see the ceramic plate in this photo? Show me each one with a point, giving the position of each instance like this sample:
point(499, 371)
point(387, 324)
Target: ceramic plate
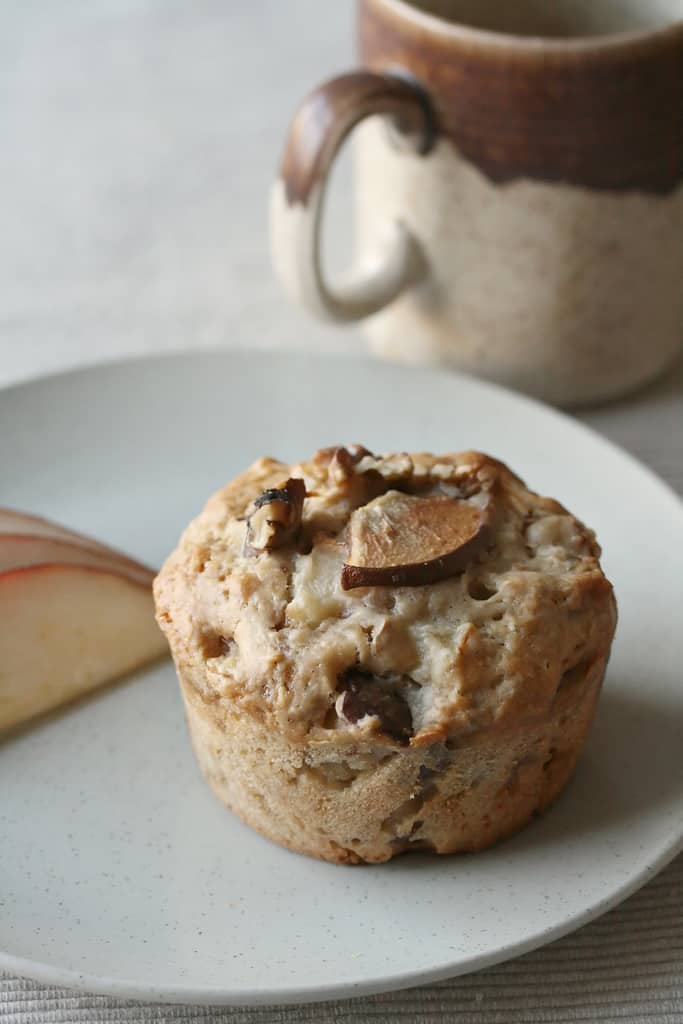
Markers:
point(121, 873)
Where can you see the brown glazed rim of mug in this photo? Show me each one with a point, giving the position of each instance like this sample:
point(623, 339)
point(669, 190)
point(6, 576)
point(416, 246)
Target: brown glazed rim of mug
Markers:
point(601, 113)
point(526, 46)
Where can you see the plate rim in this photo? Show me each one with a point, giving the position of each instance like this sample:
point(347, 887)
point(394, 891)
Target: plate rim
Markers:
point(363, 359)
point(187, 995)
point(47, 973)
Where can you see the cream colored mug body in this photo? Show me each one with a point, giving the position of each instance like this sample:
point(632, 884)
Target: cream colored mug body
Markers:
point(519, 190)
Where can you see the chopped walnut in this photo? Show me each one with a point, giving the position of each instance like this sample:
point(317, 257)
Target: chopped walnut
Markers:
point(276, 516)
point(344, 461)
point(443, 471)
point(394, 467)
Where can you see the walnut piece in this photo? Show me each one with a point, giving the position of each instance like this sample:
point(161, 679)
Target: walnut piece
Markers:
point(342, 465)
point(395, 467)
point(276, 516)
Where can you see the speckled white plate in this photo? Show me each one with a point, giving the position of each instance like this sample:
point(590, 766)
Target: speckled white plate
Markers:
point(121, 873)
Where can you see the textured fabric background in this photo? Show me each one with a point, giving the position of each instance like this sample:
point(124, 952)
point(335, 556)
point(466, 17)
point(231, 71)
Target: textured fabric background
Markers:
point(138, 141)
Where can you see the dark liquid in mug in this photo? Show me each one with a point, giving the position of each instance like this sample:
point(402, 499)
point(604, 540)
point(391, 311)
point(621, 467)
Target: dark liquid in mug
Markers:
point(561, 19)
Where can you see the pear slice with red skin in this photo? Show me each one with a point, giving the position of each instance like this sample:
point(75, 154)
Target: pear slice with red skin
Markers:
point(21, 550)
point(402, 540)
point(25, 523)
point(66, 629)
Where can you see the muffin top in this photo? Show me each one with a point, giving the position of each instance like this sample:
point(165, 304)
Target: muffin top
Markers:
point(400, 599)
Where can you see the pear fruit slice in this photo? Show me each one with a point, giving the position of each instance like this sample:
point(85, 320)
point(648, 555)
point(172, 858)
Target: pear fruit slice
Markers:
point(407, 541)
point(66, 629)
point(25, 523)
point(21, 550)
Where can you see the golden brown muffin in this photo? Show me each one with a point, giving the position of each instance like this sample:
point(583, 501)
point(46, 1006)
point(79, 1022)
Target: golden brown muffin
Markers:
point(380, 654)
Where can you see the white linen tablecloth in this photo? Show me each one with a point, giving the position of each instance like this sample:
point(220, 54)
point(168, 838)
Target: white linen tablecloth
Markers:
point(138, 142)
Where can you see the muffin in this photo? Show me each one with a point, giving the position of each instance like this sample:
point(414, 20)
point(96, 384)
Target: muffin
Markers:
point(386, 653)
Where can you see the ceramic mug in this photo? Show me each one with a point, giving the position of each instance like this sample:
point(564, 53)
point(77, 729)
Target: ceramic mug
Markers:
point(519, 183)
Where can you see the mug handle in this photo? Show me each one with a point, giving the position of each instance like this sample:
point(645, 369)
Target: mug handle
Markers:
point(322, 123)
